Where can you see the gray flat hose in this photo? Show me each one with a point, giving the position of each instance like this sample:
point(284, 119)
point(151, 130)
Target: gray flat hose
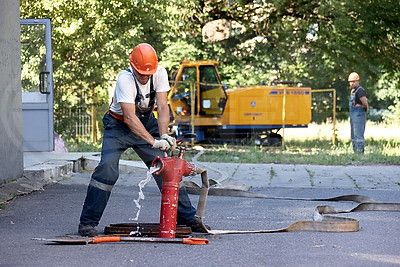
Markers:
point(322, 222)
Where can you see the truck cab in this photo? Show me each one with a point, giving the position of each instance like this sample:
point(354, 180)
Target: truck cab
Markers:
point(196, 90)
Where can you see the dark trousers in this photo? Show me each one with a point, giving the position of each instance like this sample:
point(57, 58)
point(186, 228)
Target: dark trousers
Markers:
point(117, 138)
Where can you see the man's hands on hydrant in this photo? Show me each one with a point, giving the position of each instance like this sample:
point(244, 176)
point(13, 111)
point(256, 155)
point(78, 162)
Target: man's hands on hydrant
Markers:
point(171, 141)
point(166, 143)
point(163, 145)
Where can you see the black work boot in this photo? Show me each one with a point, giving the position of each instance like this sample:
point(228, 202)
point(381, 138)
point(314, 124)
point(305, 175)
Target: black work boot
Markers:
point(87, 230)
point(196, 226)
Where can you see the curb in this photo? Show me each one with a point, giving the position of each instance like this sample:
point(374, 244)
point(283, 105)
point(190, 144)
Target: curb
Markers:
point(37, 176)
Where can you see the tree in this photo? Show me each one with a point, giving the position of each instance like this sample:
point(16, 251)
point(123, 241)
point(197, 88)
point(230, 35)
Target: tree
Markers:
point(317, 42)
point(91, 43)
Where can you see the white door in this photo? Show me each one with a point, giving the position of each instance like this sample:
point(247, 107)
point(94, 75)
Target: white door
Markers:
point(37, 85)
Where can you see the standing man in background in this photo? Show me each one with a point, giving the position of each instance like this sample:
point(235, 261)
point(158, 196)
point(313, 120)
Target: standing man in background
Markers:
point(358, 106)
point(130, 123)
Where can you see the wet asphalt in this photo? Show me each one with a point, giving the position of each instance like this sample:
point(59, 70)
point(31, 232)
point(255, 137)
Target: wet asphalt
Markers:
point(55, 211)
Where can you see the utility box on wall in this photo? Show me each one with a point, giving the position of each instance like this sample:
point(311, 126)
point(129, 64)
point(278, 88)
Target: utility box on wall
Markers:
point(11, 139)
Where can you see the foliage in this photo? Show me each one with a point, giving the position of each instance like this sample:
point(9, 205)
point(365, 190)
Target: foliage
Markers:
point(91, 42)
point(33, 53)
point(316, 42)
point(389, 85)
point(82, 146)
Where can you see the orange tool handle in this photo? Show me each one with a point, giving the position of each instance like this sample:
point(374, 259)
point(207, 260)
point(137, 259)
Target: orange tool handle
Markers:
point(102, 239)
point(195, 241)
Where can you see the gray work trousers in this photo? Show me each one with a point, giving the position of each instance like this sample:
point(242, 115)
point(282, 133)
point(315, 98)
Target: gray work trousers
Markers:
point(358, 119)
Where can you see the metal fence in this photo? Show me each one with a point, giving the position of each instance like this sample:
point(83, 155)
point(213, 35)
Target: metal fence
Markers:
point(81, 123)
point(74, 123)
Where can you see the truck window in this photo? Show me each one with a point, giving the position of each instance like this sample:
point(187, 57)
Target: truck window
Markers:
point(188, 76)
point(181, 97)
point(212, 95)
point(208, 78)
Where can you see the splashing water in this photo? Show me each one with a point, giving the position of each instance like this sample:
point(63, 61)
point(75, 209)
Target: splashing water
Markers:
point(136, 233)
point(141, 185)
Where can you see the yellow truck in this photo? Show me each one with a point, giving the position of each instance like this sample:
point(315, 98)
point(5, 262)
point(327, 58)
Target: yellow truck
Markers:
point(201, 104)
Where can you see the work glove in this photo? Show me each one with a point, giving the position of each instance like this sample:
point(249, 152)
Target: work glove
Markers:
point(171, 141)
point(163, 145)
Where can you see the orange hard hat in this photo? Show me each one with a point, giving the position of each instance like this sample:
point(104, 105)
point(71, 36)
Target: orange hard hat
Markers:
point(354, 77)
point(144, 59)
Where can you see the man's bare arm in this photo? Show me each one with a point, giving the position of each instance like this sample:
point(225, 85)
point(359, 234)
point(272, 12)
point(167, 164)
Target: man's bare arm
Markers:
point(163, 112)
point(364, 102)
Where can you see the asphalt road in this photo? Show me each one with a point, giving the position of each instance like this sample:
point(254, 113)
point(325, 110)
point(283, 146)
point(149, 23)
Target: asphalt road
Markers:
point(55, 212)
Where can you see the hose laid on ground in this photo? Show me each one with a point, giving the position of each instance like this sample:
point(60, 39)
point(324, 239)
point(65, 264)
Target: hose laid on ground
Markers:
point(322, 222)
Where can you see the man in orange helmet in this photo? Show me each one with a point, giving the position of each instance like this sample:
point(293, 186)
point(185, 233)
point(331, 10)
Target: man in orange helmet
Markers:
point(130, 123)
point(358, 106)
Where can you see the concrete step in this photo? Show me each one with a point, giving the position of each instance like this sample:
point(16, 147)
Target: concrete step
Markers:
point(37, 176)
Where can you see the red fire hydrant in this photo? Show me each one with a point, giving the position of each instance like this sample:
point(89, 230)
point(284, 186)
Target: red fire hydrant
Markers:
point(171, 169)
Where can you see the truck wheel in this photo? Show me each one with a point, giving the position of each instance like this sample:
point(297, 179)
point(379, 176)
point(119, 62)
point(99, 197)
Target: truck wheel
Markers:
point(273, 139)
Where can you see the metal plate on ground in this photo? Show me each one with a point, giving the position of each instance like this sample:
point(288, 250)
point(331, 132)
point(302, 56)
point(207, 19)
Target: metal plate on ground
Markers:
point(142, 229)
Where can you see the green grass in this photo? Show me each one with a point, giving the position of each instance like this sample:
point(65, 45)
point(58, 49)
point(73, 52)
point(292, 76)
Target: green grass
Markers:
point(296, 152)
point(82, 146)
point(307, 152)
point(302, 146)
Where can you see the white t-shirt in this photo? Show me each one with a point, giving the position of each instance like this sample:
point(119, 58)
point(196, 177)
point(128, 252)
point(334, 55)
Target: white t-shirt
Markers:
point(125, 88)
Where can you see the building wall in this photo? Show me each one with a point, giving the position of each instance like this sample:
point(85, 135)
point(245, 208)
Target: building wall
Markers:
point(11, 140)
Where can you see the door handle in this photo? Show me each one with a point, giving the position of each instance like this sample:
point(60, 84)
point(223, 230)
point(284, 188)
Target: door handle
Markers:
point(42, 82)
